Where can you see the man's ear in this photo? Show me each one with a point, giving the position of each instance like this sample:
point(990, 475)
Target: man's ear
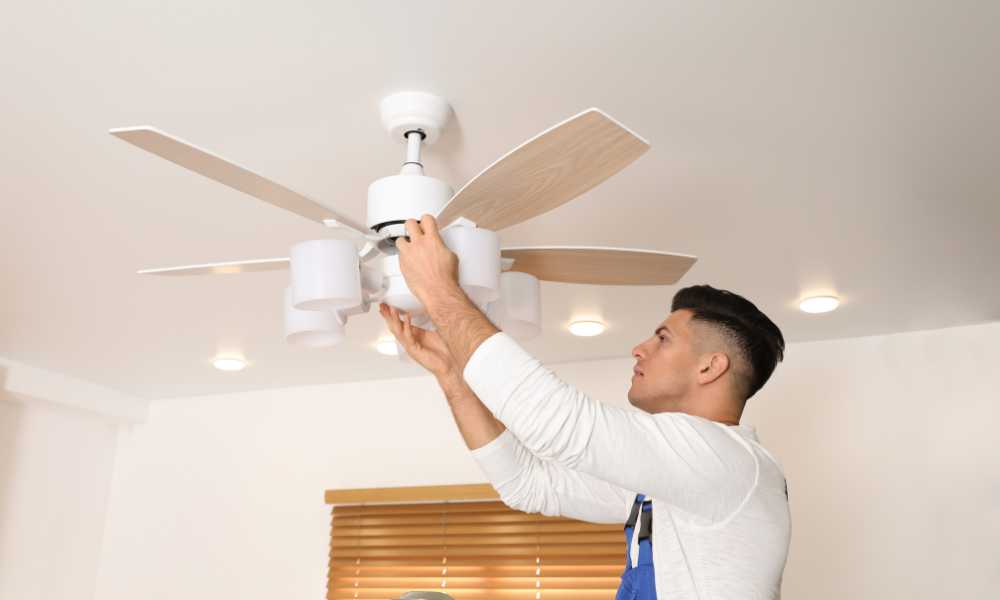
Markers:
point(711, 366)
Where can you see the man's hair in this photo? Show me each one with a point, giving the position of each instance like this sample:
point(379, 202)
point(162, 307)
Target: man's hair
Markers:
point(756, 339)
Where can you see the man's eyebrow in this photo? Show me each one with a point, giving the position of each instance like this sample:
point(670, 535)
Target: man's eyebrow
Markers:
point(663, 328)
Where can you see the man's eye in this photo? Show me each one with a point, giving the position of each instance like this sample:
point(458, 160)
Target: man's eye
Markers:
point(662, 338)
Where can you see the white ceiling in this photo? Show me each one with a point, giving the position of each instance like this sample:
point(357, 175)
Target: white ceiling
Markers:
point(797, 148)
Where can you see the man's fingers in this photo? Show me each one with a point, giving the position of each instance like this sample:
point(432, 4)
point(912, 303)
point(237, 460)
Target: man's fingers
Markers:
point(408, 331)
point(413, 229)
point(429, 226)
point(391, 316)
point(401, 326)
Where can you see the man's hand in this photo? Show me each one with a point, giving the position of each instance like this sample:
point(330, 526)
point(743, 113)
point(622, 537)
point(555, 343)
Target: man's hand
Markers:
point(429, 267)
point(426, 347)
point(475, 422)
point(431, 273)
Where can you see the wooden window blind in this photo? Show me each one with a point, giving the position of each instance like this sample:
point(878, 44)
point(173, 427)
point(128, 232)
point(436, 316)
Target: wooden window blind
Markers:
point(468, 549)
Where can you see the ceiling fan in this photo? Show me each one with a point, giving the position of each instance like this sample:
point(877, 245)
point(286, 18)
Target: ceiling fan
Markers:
point(332, 279)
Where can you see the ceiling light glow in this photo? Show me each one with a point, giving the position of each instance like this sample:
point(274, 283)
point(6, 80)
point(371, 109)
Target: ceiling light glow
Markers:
point(387, 346)
point(587, 328)
point(229, 363)
point(819, 304)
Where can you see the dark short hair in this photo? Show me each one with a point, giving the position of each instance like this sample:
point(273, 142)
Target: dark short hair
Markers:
point(755, 337)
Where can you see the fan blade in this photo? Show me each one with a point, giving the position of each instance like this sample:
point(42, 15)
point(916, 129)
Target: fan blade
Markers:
point(223, 268)
point(546, 171)
point(599, 266)
point(215, 167)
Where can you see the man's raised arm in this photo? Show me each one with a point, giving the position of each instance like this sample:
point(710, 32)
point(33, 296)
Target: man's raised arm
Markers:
point(691, 462)
point(523, 481)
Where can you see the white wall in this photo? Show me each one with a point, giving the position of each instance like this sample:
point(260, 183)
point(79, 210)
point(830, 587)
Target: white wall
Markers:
point(58, 438)
point(891, 449)
point(55, 474)
point(888, 443)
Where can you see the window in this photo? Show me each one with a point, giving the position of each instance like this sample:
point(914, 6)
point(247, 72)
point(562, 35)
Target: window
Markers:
point(463, 541)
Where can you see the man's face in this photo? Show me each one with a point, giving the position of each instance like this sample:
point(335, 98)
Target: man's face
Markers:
point(666, 365)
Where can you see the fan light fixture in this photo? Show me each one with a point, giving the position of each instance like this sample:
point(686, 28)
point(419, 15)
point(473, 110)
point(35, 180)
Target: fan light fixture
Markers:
point(357, 263)
point(315, 328)
point(518, 310)
point(587, 328)
point(387, 346)
point(229, 363)
point(819, 304)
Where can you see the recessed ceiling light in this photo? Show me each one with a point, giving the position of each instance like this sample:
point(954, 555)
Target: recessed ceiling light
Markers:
point(587, 328)
point(387, 346)
point(819, 304)
point(229, 363)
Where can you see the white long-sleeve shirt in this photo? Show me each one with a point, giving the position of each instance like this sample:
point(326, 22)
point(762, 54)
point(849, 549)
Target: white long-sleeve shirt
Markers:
point(721, 524)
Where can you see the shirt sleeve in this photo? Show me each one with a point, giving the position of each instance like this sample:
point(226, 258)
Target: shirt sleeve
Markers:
point(532, 485)
point(691, 462)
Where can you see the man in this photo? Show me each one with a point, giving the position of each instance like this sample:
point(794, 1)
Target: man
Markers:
point(722, 525)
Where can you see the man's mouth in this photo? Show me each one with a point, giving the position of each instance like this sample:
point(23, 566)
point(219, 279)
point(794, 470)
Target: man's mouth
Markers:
point(636, 371)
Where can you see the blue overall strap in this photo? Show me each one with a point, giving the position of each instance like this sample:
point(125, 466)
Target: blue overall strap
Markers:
point(639, 582)
point(646, 534)
point(633, 518)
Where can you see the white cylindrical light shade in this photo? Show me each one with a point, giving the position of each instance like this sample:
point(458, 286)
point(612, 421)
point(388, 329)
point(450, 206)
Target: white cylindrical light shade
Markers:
point(478, 253)
point(518, 310)
point(397, 293)
point(372, 279)
point(315, 328)
point(325, 275)
point(354, 310)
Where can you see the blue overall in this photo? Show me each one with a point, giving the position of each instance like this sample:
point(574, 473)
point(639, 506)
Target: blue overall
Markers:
point(638, 582)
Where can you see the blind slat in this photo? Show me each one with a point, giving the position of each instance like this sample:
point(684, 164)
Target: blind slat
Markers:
point(486, 539)
point(511, 583)
point(476, 528)
point(521, 570)
point(484, 551)
point(477, 594)
point(430, 519)
point(614, 558)
point(426, 507)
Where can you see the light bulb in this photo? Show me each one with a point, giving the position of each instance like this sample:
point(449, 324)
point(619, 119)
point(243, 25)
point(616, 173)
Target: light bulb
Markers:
point(819, 304)
point(587, 328)
point(387, 346)
point(229, 363)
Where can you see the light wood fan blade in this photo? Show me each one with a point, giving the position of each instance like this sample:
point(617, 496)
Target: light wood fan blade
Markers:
point(223, 268)
point(546, 171)
point(229, 173)
point(599, 266)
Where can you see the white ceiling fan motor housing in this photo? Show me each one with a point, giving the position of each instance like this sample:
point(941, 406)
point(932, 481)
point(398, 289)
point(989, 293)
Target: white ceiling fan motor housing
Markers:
point(394, 199)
